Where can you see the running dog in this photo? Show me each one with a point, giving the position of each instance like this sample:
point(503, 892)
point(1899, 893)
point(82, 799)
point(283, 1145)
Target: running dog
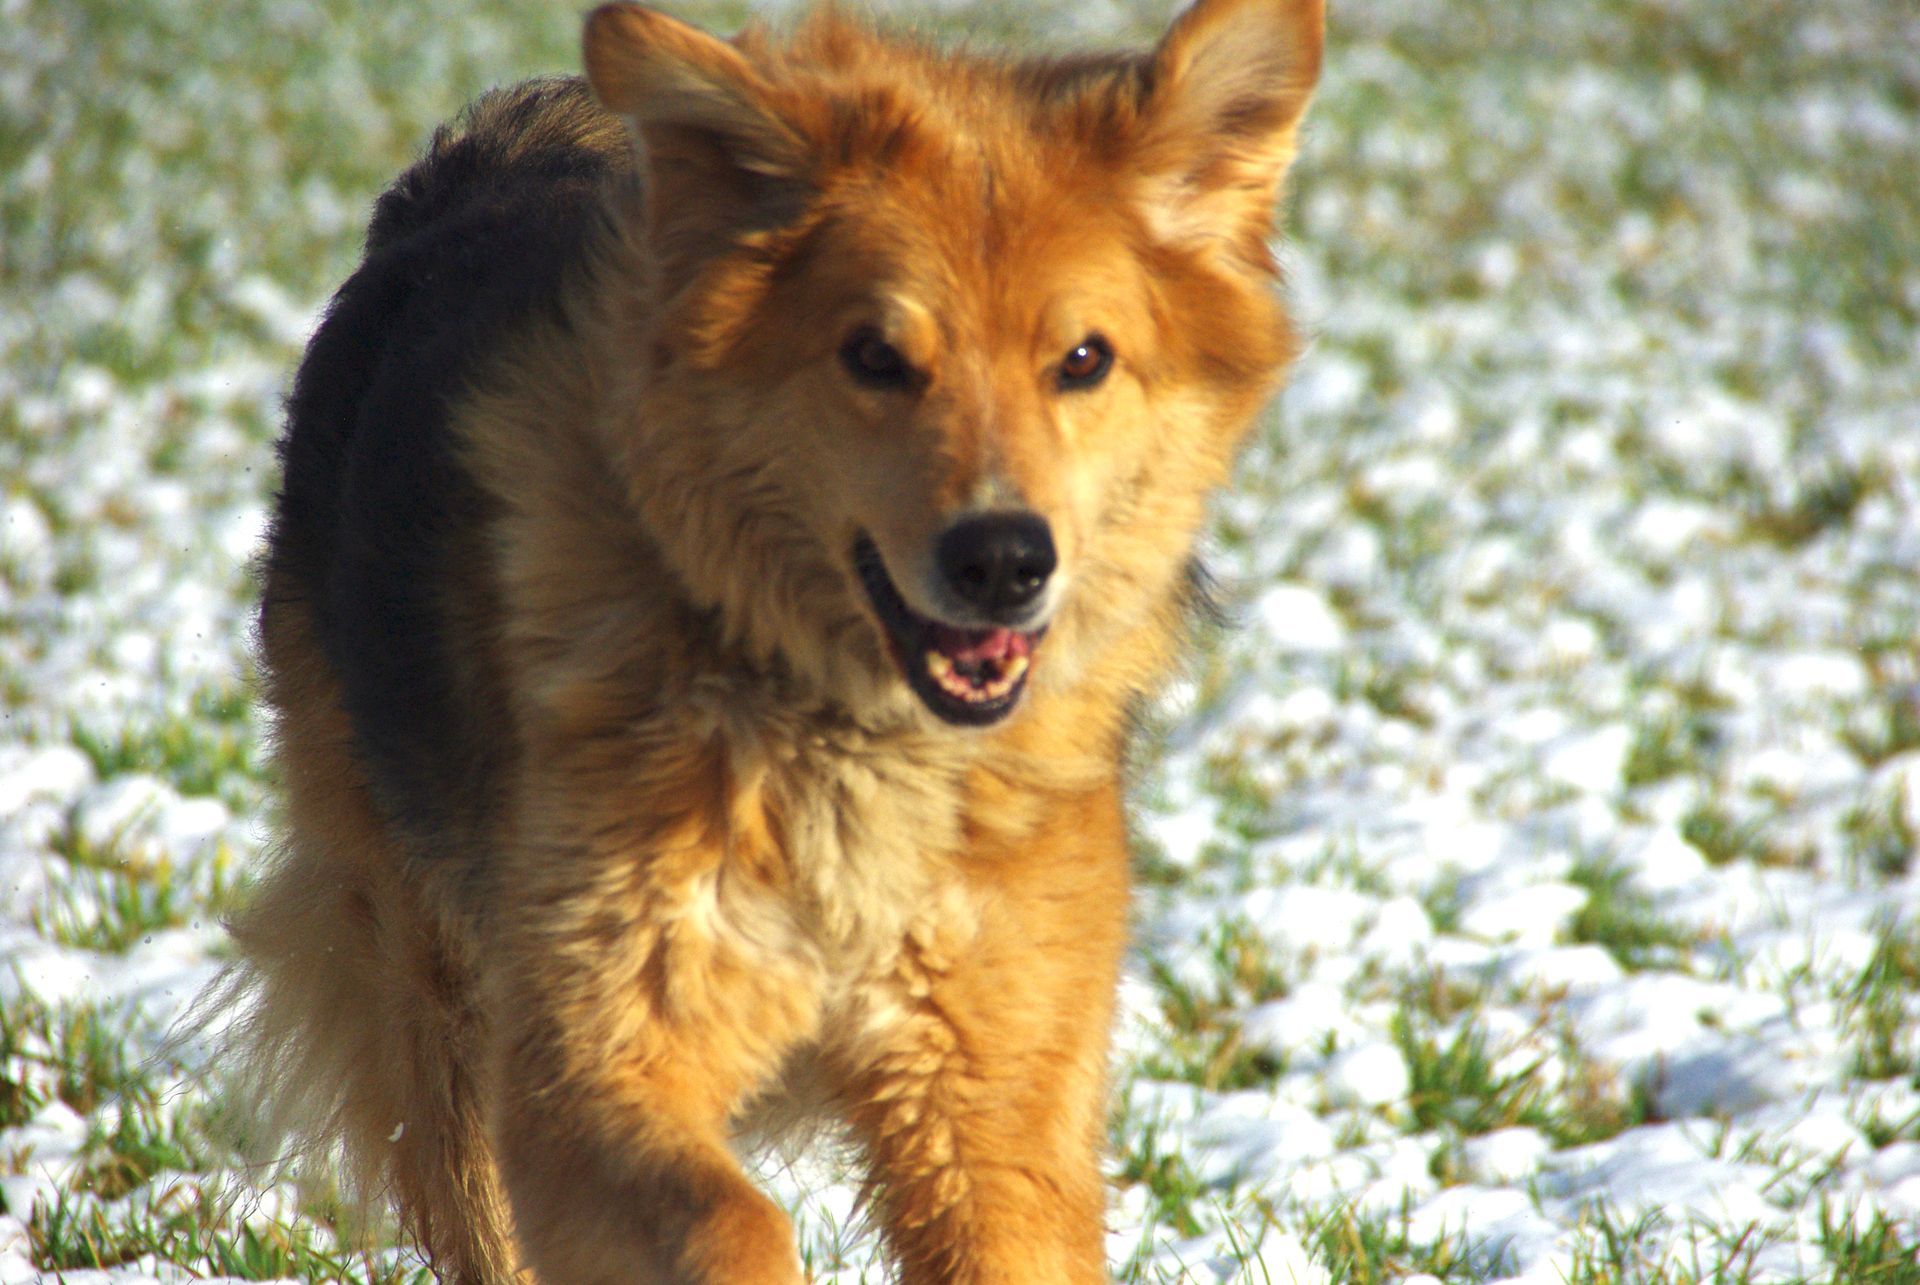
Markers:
point(729, 522)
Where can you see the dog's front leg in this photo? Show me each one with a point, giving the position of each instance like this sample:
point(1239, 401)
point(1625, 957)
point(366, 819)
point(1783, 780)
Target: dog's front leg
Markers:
point(633, 1015)
point(979, 1090)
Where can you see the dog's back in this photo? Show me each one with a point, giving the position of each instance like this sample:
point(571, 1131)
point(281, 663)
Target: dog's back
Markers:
point(379, 647)
point(377, 515)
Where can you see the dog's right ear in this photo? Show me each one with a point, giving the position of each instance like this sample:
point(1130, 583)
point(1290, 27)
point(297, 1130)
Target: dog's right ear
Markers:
point(718, 154)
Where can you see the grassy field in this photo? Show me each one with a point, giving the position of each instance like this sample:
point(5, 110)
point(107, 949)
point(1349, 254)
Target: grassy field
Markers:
point(1528, 880)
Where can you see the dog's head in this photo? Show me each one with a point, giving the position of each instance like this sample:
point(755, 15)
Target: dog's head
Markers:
point(945, 353)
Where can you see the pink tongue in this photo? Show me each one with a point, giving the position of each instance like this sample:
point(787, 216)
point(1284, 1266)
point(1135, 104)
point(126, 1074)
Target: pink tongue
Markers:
point(972, 646)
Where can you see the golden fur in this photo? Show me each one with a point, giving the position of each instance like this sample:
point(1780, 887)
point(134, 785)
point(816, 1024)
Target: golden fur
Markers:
point(716, 853)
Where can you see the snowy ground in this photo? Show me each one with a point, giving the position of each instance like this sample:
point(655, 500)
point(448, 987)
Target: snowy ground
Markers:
point(1528, 879)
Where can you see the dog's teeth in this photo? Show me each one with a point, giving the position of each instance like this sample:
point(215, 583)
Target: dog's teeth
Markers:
point(1011, 671)
point(972, 682)
point(950, 680)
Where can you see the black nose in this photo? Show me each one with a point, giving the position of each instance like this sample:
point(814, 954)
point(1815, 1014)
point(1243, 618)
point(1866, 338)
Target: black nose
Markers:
point(998, 562)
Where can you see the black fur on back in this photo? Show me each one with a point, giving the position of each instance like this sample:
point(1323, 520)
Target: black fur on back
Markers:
point(376, 518)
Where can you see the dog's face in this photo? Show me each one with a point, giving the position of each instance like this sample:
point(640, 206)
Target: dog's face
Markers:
point(967, 343)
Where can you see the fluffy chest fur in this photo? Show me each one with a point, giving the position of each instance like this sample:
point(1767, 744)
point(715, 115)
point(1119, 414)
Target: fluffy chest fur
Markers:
point(864, 830)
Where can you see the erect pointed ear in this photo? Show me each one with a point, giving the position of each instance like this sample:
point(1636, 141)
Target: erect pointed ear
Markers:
point(718, 154)
point(1225, 93)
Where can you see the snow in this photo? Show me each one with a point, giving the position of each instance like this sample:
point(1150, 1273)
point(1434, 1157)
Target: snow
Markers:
point(1372, 1074)
point(1504, 1157)
point(1299, 618)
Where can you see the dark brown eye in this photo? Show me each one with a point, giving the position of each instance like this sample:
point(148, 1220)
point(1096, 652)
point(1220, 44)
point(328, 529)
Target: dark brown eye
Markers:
point(875, 362)
point(1086, 363)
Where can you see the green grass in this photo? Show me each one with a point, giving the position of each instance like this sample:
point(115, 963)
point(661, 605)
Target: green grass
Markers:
point(1879, 1003)
point(145, 1140)
point(1454, 1084)
point(1242, 969)
point(1201, 1041)
point(1595, 1105)
point(1823, 503)
point(1462, 1083)
point(1724, 838)
point(1880, 841)
point(25, 1061)
point(1176, 1194)
point(1372, 1248)
point(1612, 1252)
point(198, 1232)
point(116, 893)
point(1890, 724)
point(210, 749)
point(76, 1053)
point(1626, 921)
point(1668, 746)
point(151, 1181)
point(1875, 1251)
point(112, 912)
point(1649, 1249)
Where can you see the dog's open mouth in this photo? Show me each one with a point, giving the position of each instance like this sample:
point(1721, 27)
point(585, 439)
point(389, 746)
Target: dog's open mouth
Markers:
point(965, 675)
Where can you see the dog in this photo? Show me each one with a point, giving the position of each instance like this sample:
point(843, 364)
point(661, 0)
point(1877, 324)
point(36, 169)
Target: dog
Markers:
point(729, 523)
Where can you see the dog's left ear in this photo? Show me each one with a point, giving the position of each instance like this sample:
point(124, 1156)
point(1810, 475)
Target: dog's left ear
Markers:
point(1224, 95)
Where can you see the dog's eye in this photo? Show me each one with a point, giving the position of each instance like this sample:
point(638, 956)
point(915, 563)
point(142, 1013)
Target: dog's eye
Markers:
point(875, 362)
point(1086, 363)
